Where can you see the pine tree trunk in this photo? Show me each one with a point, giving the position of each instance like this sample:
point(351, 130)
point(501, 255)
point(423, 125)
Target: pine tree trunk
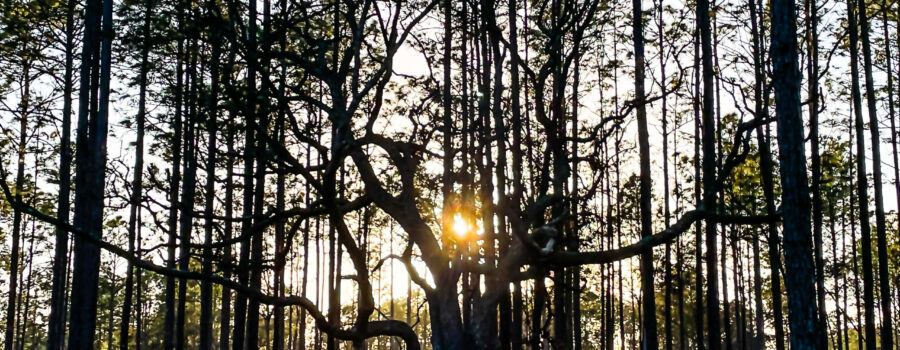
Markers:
point(189, 191)
point(575, 240)
point(893, 122)
point(29, 284)
point(649, 338)
point(174, 185)
point(887, 327)
point(110, 307)
point(228, 228)
point(278, 331)
point(56, 323)
point(766, 170)
point(795, 191)
point(812, 69)
point(758, 110)
point(726, 305)
point(90, 171)
point(500, 327)
point(835, 273)
point(516, 331)
point(206, 292)
point(862, 184)
point(667, 213)
point(241, 315)
point(137, 180)
point(15, 253)
point(139, 334)
point(447, 179)
point(709, 175)
point(301, 331)
point(698, 244)
point(760, 323)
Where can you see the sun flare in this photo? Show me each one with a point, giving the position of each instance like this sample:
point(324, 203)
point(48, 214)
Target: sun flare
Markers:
point(460, 226)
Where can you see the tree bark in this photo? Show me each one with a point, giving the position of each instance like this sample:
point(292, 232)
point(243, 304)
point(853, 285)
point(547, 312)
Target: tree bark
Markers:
point(206, 292)
point(516, 331)
point(862, 184)
point(188, 194)
point(56, 323)
point(812, 69)
point(887, 327)
point(667, 213)
point(795, 191)
point(765, 165)
point(15, 253)
point(137, 179)
point(90, 171)
point(698, 244)
point(649, 338)
point(241, 306)
point(709, 175)
point(174, 185)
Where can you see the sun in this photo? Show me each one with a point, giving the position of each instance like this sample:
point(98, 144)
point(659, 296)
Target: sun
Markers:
point(460, 226)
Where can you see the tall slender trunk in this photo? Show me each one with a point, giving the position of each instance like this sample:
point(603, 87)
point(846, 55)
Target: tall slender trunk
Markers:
point(447, 179)
point(29, 284)
point(174, 185)
point(465, 196)
point(758, 110)
point(501, 326)
point(575, 239)
point(139, 334)
point(225, 327)
point(256, 244)
point(484, 158)
point(853, 221)
point(893, 122)
point(618, 231)
point(738, 278)
point(228, 228)
point(90, 171)
point(667, 213)
point(721, 205)
point(726, 304)
point(812, 72)
point(698, 246)
point(110, 307)
point(887, 327)
point(57, 320)
point(301, 336)
point(14, 255)
point(516, 332)
point(709, 175)
point(759, 321)
point(189, 191)
point(240, 311)
point(137, 179)
point(845, 314)
point(862, 184)
point(555, 166)
point(610, 319)
point(206, 292)
point(766, 169)
point(835, 274)
point(795, 191)
point(649, 338)
point(278, 334)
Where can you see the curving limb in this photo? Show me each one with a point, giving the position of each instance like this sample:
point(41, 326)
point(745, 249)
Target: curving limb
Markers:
point(372, 328)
